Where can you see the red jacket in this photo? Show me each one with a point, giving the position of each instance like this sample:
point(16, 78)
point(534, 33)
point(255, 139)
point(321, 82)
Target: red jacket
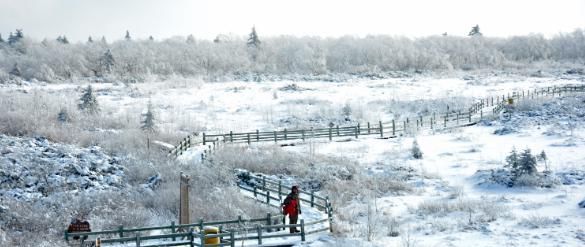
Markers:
point(291, 205)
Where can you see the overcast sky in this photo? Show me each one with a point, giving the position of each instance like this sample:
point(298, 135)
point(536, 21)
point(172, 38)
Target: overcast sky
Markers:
point(77, 19)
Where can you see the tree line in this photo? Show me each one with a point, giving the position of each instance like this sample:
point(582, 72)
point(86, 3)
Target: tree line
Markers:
point(130, 59)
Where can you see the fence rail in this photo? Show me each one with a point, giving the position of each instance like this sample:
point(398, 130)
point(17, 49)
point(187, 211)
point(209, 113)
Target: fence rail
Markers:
point(482, 108)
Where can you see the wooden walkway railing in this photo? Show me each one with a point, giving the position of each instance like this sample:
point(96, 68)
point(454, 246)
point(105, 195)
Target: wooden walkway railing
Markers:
point(450, 119)
point(230, 231)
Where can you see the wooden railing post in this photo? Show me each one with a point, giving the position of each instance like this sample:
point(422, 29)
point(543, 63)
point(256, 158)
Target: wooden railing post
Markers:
point(302, 230)
point(231, 136)
point(285, 135)
point(259, 229)
point(248, 138)
point(381, 129)
point(257, 136)
point(121, 231)
point(268, 197)
point(269, 221)
point(368, 128)
point(173, 229)
point(279, 188)
point(275, 136)
point(393, 128)
point(312, 198)
point(204, 139)
point(330, 133)
point(232, 239)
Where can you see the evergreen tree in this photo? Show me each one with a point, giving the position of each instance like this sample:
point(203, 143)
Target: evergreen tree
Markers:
point(63, 40)
point(150, 38)
point(527, 163)
point(542, 157)
point(475, 31)
point(127, 37)
point(63, 116)
point(88, 102)
point(148, 122)
point(416, 153)
point(104, 41)
point(190, 39)
point(253, 40)
point(89, 39)
point(15, 71)
point(1, 39)
point(107, 61)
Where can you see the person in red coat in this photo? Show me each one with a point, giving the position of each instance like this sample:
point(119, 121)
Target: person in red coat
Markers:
point(292, 207)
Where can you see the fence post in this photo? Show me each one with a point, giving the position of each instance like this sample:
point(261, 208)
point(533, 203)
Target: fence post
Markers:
point(330, 133)
point(279, 188)
point(421, 121)
point(302, 230)
point(268, 197)
point(201, 224)
point(431, 122)
point(202, 236)
point(303, 133)
point(259, 229)
point(263, 182)
point(275, 136)
point(121, 231)
point(257, 135)
point(337, 130)
point(232, 241)
point(269, 221)
point(404, 128)
point(137, 239)
point(356, 130)
point(173, 229)
point(481, 114)
point(393, 128)
point(255, 192)
point(459, 112)
point(445, 124)
point(248, 138)
point(359, 129)
point(470, 117)
point(328, 210)
point(204, 138)
point(381, 129)
point(312, 198)
point(191, 240)
point(368, 128)
point(285, 134)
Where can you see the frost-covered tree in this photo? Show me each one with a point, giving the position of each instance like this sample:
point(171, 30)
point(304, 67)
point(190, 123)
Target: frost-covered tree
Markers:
point(15, 71)
point(89, 39)
point(63, 39)
point(63, 116)
point(14, 38)
point(107, 62)
point(150, 38)
point(475, 31)
point(1, 39)
point(527, 163)
point(542, 157)
point(415, 150)
point(253, 40)
point(190, 39)
point(88, 101)
point(127, 36)
point(148, 119)
point(103, 40)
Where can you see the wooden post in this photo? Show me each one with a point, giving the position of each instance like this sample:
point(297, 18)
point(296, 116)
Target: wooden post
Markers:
point(231, 136)
point(285, 134)
point(368, 128)
point(356, 131)
point(421, 121)
point(481, 114)
point(184, 199)
point(337, 129)
point(302, 230)
point(121, 231)
point(381, 129)
point(267, 196)
point(204, 140)
point(330, 133)
point(279, 188)
point(470, 117)
point(257, 135)
point(445, 124)
point(458, 113)
point(248, 138)
point(269, 221)
point(173, 229)
point(359, 129)
point(137, 239)
point(393, 128)
point(303, 134)
point(312, 198)
point(259, 230)
point(275, 136)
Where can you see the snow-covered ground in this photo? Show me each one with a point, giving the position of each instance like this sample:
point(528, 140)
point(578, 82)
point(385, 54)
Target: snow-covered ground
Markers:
point(448, 205)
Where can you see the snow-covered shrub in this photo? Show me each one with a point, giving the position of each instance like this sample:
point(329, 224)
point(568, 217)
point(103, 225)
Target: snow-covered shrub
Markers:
point(582, 204)
point(537, 221)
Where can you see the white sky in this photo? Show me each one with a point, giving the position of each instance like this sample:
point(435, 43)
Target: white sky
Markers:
point(77, 19)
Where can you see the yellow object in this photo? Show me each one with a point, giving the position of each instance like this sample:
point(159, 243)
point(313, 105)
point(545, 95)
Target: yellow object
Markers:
point(211, 230)
point(510, 101)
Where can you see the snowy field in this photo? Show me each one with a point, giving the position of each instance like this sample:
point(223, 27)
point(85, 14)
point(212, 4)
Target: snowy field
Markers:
point(447, 203)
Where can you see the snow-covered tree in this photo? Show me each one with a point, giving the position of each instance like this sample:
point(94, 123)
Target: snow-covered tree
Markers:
point(88, 101)
point(127, 36)
point(253, 40)
point(107, 62)
point(89, 39)
point(542, 157)
point(190, 39)
point(148, 119)
point(15, 71)
point(527, 163)
point(1, 39)
point(63, 39)
point(150, 38)
point(475, 31)
point(14, 38)
point(63, 116)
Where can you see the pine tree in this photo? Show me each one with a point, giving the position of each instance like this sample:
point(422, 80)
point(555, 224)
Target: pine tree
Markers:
point(150, 38)
point(104, 41)
point(63, 40)
point(542, 157)
point(475, 31)
point(63, 116)
point(107, 61)
point(15, 71)
point(148, 122)
point(127, 37)
point(190, 39)
point(416, 153)
point(89, 39)
point(253, 40)
point(527, 163)
point(88, 102)
point(1, 39)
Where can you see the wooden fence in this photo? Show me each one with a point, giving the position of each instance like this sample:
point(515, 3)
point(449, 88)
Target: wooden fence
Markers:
point(231, 231)
point(484, 107)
